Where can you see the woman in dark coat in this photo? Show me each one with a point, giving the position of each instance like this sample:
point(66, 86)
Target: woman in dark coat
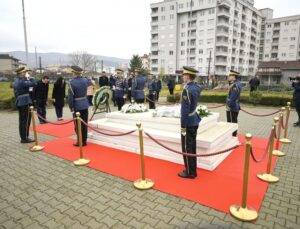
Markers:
point(58, 97)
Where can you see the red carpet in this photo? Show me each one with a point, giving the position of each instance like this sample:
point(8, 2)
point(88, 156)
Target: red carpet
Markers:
point(218, 189)
point(57, 130)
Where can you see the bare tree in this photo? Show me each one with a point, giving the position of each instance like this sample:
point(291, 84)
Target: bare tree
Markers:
point(83, 59)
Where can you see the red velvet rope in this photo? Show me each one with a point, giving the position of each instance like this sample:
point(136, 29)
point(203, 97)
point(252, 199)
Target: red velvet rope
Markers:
point(265, 153)
point(53, 123)
point(107, 134)
point(188, 154)
point(260, 115)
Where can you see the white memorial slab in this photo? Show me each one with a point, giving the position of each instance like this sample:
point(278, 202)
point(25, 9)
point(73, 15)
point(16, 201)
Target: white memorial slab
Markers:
point(212, 136)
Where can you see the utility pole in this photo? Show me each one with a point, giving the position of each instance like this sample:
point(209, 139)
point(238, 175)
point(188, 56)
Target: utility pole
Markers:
point(25, 32)
point(40, 60)
point(101, 65)
point(36, 59)
point(208, 70)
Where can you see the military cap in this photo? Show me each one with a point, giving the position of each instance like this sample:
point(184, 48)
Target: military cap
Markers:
point(119, 70)
point(20, 70)
point(234, 73)
point(137, 70)
point(189, 70)
point(76, 69)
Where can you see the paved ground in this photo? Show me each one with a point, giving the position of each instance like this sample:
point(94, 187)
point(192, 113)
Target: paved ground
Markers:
point(38, 190)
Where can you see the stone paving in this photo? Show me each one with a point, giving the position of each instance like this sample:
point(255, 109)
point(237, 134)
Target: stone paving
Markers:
point(38, 190)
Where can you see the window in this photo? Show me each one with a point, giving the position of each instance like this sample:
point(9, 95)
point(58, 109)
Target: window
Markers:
point(180, 5)
point(286, 23)
point(283, 54)
point(211, 11)
point(162, 9)
point(202, 13)
point(269, 25)
point(201, 23)
point(266, 55)
point(182, 43)
point(294, 22)
point(201, 32)
point(182, 25)
point(163, 18)
point(200, 51)
point(293, 38)
point(294, 30)
point(292, 46)
point(171, 16)
point(211, 22)
point(171, 52)
point(210, 41)
point(182, 52)
point(210, 31)
point(268, 33)
point(182, 34)
point(201, 42)
point(172, 7)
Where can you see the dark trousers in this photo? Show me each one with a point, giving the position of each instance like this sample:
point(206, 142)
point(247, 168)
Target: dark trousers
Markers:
point(188, 144)
point(151, 103)
point(90, 99)
point(129, 96)
point(139, 100)
point(157, 95)
point(171, 91)
point(84, 115)
point(24, 121)
point(59, 111)
point(41, 110)
point(298, 112)
point(120, 102)
point(232, 116)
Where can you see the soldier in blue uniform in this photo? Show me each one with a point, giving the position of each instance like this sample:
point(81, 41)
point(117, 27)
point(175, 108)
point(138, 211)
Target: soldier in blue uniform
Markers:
point(121, 88)
point(190, 120)
point(152, 91)
point(138, 86)
point(232, 102)
point(23, 101)
point(77, 100)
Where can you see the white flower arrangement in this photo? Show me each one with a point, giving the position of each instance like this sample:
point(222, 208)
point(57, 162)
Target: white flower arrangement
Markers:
point(134, 108)
point(203, 111)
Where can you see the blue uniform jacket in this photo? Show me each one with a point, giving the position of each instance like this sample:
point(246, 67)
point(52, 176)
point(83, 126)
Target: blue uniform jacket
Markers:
point(77, 99)
point(121, 87)
point(151, 86)
point(21, 90)
point(296, 95)
point(158, 85)
point(138, 86)
point(233, 97)
point(190, 96)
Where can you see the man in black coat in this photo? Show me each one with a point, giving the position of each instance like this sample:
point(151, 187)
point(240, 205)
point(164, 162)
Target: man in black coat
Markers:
point(40, 96)
point(254, 83)
point(171, 85)
point(103, 80)
point(296, 97)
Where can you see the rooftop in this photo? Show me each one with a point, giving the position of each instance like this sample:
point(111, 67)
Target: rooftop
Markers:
point(7, 56)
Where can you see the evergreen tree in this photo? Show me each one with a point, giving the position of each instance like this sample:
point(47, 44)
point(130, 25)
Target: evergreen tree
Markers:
point(136, 62)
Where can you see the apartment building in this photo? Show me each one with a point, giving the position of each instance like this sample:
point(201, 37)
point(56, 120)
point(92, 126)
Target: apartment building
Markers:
point(8, 64)
point(280, 39)
point(212, 36)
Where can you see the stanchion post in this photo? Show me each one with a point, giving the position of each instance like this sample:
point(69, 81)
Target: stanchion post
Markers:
point(285, 139)
point(81, 160)
point(243, 212)
point(276, 151)
point(142, 183)
point(36, 146)
point(268, 177)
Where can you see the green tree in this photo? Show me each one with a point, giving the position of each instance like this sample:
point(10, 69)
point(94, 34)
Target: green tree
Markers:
point(136, 62)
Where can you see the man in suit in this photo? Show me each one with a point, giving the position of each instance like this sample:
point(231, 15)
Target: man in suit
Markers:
point(78, 102)
point(232, 102)
point(23, 102)
point(40, 97)
point(190, 120)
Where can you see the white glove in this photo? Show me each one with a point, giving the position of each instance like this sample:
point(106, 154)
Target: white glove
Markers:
point(183, 131)
point(124, 97)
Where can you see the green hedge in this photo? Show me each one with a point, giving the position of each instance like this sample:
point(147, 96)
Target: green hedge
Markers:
point(263, 99)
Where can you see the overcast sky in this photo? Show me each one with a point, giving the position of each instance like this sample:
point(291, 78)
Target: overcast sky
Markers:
point(116, 28)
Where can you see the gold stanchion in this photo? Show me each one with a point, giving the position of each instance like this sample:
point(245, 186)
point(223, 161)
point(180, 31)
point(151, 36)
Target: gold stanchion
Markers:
point(36, 146)
point(276, 151)
point(268, 177)
point(285, 139)
point(243, 212)
point(81, 160)
point(142, 183)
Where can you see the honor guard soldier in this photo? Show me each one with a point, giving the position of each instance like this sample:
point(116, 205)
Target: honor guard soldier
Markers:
point(121, 88)
point(138, 86)
point(232, 102)
point(190, 120)
point(78, 102)
point(152, 91)
point(23, 101)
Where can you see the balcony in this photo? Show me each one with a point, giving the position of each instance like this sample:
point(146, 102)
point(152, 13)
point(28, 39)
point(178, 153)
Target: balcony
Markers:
point(224, 23)
point(154, 10)
point(224, 3)
point(223, 13)
point(221, 62)
point(221, 52)
point(222, 43)
point(224, 33)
